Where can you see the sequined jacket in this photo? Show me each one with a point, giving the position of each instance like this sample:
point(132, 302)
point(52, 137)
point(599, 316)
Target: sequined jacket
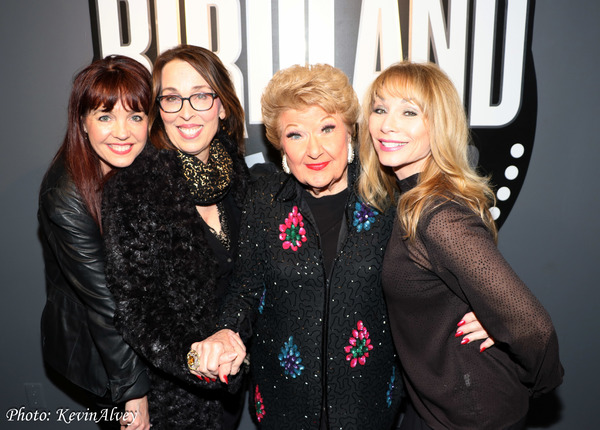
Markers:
point(163, 276)
point(79, 339)
point(314, 343)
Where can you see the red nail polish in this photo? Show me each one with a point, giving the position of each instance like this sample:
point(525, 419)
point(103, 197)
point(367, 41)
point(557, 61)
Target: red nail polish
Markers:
point(198, 376)
point(206, 379)
point(461, 322)
point(212, 380)
point(459, 333)
point(465, 340)
point(226, 380)
point(482, 349)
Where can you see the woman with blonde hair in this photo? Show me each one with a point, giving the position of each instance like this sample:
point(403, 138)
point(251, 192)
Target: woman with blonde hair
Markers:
point(442, 261)
point(308, 281)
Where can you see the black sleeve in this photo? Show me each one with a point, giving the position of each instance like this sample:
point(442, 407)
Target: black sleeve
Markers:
point(158, 268)
point(244, 296)
point(464, 254)
point(77, 245)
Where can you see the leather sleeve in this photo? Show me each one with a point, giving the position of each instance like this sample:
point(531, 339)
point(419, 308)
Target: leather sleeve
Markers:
point(77, 244)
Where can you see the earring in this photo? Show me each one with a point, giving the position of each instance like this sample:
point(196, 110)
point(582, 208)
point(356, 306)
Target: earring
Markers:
point(350, 153)
point(284, 165)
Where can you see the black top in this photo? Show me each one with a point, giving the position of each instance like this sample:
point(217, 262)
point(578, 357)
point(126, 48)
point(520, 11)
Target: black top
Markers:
point(306, 349)
point(165, 279)
point(328, 212)
point(225, 257)
point(454, 267)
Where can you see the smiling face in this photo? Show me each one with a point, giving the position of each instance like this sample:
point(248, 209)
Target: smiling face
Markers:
point(189, 130)
point(117, 136)
point(400, 135)
point(316, 147)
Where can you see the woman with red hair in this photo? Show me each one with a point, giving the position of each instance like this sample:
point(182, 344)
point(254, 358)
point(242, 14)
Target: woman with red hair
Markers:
point(107, 129)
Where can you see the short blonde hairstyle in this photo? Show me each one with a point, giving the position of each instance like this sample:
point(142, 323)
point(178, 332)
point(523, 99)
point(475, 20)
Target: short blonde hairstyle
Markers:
point(447, 173)
point(299, 87)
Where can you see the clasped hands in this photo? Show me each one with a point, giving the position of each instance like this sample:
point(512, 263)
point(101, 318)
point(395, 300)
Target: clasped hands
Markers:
point(219, 355)
point(223, 353)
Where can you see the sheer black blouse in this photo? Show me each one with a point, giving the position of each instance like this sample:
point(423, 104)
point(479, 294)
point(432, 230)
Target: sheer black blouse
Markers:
point(454, 267)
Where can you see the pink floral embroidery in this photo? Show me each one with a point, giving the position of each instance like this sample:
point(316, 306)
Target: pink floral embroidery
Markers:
point(293, 232)
point(360, 345)
point(259, 405)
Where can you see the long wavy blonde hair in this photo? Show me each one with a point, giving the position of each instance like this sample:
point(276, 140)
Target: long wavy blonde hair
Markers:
point(447, 173)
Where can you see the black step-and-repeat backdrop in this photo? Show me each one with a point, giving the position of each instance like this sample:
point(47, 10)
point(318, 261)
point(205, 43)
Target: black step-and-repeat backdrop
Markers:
point(527, 72)
point(484, 46)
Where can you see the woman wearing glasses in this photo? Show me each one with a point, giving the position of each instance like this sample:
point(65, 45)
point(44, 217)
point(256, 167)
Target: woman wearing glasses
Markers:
point(171, 228)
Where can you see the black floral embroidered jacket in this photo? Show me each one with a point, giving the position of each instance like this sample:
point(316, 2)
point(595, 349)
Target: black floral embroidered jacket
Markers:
point(315, 343)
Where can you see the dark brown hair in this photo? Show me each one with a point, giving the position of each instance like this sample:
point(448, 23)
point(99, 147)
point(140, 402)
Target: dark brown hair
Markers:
point(210, 67)
point(101, 84)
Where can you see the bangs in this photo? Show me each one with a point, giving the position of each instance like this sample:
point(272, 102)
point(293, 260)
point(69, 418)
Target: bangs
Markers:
point(403, 86)
point(107, 92)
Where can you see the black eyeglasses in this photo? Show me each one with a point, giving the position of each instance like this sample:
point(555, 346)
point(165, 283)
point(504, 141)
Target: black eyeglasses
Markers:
point(171, 103)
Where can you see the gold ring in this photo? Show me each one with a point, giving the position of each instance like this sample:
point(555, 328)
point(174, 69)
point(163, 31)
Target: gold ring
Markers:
point(192, 360)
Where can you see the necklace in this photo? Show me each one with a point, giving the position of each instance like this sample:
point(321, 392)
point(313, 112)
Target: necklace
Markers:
point(223, 235)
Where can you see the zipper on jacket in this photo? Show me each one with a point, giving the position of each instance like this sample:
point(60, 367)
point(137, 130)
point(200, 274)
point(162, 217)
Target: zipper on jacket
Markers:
point(325, 326)
point(325, 336)
point(324, 332)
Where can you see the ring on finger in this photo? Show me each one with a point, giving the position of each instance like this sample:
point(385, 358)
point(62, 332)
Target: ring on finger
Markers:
point(193, 360)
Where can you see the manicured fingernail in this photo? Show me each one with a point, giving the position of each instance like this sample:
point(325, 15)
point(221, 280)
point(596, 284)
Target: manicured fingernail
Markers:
point(226, 380)
point(458, 333)
point(212, 380)
point(461, 322)
point(199, 376)
point(465, 340)
point(482, 349)
point(206, 379)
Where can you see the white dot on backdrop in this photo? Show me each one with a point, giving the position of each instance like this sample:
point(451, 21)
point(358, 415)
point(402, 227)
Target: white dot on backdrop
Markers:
point(511, 172)
point(495, 212)
point(503, 193)
point(517, 150)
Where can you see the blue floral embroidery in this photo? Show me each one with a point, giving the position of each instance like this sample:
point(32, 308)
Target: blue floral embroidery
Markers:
point(364, 216)
point(261, 303)
point(391, 386)
point(290, 360)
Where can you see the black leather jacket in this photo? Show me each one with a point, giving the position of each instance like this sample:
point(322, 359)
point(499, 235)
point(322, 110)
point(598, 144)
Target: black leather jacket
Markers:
point(79, 339)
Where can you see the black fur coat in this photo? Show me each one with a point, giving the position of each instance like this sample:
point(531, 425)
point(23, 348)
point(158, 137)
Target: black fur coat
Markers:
point(162, 274)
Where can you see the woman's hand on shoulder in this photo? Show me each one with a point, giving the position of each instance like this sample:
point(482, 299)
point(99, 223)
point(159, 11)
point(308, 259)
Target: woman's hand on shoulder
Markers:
point(471, 330)
point(218, 356)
